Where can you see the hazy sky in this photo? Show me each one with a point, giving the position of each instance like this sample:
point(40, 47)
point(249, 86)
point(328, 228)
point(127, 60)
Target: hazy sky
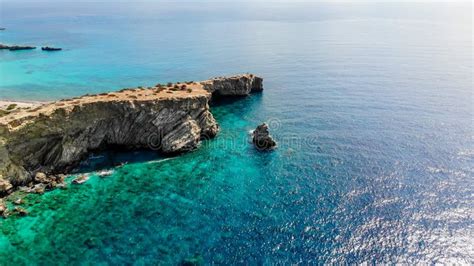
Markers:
point(233, 1)
point(246, 9)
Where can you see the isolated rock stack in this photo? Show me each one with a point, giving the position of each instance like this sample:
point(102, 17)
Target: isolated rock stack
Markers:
point(262, 139)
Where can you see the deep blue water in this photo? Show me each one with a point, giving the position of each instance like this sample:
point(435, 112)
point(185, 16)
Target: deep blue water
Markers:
point(371, 104)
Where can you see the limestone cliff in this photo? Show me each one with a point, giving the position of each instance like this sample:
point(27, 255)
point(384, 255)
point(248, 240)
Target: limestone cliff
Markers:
point(240, 85)
point(55, 137)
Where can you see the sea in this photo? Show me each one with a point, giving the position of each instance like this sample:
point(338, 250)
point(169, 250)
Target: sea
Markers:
point(371, 104)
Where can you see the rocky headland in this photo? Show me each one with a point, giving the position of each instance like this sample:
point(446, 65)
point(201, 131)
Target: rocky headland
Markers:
point(16, 47)
point(40, 144)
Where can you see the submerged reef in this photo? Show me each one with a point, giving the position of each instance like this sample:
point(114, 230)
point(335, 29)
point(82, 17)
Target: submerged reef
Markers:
point(53, 138)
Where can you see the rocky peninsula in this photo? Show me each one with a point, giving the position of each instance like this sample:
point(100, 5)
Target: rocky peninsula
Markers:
point(39, 144)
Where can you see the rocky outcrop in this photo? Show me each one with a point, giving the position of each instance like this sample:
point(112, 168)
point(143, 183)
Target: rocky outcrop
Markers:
point(3, 208)
point(27, 47)
point(240, 85)
point(262, 139)
point(53, 138)
point(5, 187)
point(50, 49)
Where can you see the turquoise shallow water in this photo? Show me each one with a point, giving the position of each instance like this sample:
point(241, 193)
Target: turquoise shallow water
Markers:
point(371, 105)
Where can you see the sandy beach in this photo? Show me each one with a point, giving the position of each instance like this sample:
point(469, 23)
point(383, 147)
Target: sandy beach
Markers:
point(21, 104)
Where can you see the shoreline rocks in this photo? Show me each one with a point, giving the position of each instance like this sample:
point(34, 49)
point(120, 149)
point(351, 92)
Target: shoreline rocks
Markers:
point(3, 208)
point(20, 211)
point(5, 187)
point(38, 144)
point(262, 139)
point(80, 179)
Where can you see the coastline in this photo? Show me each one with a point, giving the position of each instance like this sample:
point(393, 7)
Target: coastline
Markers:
point(55, 136)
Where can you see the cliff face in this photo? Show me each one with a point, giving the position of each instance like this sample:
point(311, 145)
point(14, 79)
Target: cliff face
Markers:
point(234, 86)
point(55, 137)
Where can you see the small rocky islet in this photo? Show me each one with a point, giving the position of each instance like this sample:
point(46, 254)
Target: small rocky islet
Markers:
point(261, 138)
point(16, 47)
point(50, 49)
point(27, 47)
point(39, 145)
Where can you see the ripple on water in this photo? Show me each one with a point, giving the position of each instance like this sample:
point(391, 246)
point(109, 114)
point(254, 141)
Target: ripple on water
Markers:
point(373, 119)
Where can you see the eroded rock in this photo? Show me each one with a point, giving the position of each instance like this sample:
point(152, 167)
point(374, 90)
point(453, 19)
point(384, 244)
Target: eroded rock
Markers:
point(39, 143)
point(5, 187)
point(262, 139)
point(39, 189)
point(20, 211)
point(41, 178)
point(80, 179)
point(18, 201)
point(3, 207)
point(240, 85)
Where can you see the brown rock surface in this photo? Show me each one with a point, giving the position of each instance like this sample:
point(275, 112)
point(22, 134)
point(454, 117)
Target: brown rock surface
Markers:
point(53, 138)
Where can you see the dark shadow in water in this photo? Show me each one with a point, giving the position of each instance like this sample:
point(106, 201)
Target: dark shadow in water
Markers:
point(113, 157)
point(218, 100)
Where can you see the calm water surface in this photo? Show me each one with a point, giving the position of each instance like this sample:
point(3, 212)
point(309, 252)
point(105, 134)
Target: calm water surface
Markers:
point(371, 105)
